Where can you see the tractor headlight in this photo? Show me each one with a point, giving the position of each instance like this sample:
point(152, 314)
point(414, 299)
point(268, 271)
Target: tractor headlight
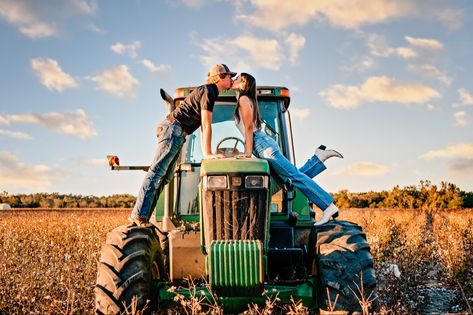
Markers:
point(256, 181)
point(217, 182)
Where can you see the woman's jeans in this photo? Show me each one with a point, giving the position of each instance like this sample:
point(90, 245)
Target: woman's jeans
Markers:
point(170, 140)
point(266, 148)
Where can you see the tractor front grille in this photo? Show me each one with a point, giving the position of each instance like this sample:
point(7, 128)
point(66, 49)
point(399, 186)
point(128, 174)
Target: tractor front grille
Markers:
point(235, 215)
point(236, 268)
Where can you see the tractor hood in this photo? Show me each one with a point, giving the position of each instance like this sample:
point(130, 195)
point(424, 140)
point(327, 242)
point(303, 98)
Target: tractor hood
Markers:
point(234, 165)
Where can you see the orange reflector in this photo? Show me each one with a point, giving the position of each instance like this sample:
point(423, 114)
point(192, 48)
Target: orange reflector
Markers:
point(284, 92)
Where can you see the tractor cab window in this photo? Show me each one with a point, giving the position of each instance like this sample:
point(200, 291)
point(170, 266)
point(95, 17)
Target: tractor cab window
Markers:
point(226, 139)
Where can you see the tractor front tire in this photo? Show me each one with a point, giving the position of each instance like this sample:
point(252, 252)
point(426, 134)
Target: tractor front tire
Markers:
point(343, 265)
point(130, 260)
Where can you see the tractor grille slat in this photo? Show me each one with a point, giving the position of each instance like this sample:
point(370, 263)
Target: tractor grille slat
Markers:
point(235, 215)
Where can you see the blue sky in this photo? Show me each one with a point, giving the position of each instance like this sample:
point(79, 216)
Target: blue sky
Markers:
point(387, 83)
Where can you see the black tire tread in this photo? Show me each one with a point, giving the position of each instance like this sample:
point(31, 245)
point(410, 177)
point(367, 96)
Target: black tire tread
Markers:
point(342, 253)
point(124, 269)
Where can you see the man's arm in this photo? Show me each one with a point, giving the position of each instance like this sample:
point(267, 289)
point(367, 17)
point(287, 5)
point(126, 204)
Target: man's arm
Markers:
point(206, 132)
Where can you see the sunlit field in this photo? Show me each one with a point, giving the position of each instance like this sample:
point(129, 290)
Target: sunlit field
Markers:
point(48, 259)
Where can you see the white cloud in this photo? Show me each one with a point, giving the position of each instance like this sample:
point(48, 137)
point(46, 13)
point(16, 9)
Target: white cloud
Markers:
point(431, 71)
point(73, 123)
point(194, 4)
point(17, 175)
point(379, 46)
point(453, 18)
point(465, 97)
point(35, 19)
point(23, 15)
point(161, 69)
point(51, 75)
point(3, 120)
point(117, 81)
point(432, 108)
point(377, 89)
point(342, 96)
point(300, 113)
point(123, 49)
point(460, 150)
point(96, 162)
point(278, 15)
point(364, 169)
point(250, 52)
point(38, 30)
point(94, 28)
point(264, 52)
point(425, 43)
point(295, 43)
point(15, 134)
point(462, 169)
point(460, 119)
point(86, 7)
point(406, 52)
point(361, 65)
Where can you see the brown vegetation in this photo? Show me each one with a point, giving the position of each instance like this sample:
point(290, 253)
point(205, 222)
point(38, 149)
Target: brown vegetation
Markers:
point(48, 258)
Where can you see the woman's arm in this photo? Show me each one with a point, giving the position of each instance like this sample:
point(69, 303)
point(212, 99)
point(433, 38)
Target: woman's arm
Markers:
point(246, 110)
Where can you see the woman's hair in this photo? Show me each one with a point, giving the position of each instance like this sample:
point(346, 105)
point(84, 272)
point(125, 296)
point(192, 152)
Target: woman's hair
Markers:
point(248, 88)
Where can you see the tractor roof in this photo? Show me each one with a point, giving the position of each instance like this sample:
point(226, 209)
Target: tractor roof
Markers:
point(229, 95)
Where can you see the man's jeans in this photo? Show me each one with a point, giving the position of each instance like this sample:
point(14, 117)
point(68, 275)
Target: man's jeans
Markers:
point(266, 148)
point(170, 140)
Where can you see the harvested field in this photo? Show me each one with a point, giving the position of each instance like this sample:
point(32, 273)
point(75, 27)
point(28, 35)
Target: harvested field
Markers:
point(424, 262)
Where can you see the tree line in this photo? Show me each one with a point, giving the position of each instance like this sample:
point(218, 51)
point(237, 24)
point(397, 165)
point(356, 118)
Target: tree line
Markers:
point(424, 196)
point(56, 200)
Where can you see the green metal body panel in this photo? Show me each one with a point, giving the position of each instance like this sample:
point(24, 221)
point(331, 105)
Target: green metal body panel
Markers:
point(235, 268)
point(305, 292)
point(234, 165)
point(159, 212)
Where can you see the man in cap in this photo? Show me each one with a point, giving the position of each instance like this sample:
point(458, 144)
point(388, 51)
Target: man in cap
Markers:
point(194, 112)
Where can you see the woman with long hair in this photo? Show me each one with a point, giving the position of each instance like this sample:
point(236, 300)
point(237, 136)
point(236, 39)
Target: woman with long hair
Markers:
point(248, 120)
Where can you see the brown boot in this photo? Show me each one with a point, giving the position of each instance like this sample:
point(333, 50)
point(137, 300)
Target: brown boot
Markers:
point(134, 219)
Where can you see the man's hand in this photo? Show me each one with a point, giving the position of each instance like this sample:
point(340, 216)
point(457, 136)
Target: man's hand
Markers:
point(214, 156)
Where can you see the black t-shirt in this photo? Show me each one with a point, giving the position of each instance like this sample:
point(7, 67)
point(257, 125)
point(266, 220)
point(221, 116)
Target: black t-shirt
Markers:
point(188, 114)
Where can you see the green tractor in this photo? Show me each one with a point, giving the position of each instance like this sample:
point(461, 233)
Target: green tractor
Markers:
point(228, 225)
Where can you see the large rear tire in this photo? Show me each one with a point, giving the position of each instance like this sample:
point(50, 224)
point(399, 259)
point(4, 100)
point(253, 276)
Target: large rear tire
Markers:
point(342, 259)
point(130, 260)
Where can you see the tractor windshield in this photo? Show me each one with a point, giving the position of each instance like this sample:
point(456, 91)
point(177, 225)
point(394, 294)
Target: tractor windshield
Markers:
point(223, 126)
point(224, 138)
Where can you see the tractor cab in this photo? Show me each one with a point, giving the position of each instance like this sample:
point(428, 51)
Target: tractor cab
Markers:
point(227, 140)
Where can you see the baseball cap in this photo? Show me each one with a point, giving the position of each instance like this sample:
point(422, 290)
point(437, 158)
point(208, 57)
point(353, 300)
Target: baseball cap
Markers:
point(218, 69)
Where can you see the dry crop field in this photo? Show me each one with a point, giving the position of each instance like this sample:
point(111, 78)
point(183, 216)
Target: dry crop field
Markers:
point(424, 262)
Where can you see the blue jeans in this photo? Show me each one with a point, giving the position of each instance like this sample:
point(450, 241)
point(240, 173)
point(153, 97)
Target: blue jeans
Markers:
point(170, 140)
point(266, 148)
point(313, 167)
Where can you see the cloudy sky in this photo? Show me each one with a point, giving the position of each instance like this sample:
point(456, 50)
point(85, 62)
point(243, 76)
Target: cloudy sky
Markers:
point(387, 83)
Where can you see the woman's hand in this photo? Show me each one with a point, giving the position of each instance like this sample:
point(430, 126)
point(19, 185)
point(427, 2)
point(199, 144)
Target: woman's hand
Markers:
point(243, 156)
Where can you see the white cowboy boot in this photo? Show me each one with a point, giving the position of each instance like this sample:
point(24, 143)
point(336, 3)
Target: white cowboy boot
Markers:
point(331, 211)
point(323, 154)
